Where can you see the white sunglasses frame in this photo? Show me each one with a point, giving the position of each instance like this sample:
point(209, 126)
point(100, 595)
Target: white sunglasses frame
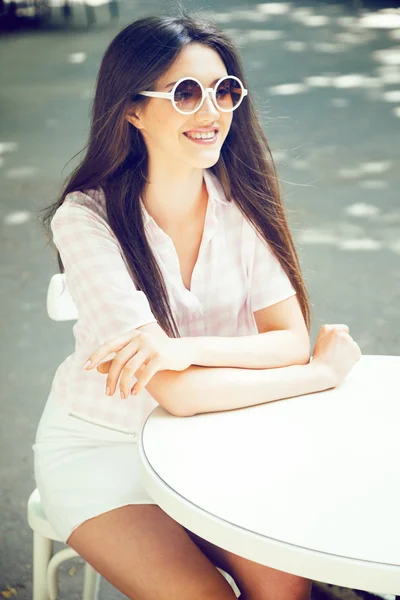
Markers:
point(205, 91)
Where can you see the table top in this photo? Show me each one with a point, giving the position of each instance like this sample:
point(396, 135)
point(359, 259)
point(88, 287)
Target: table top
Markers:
point(309, 485)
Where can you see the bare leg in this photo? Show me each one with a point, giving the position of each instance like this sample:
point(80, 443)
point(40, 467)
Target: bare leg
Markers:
point(255, 581)
point(145, 554)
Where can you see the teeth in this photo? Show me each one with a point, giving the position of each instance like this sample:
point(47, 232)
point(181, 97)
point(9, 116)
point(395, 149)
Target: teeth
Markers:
point(202, 136)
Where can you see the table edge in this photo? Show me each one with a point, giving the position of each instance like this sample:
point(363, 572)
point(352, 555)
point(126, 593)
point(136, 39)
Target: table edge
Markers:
point(374, 577)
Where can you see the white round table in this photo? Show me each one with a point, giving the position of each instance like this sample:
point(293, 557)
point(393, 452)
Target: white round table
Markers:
point(308, 485)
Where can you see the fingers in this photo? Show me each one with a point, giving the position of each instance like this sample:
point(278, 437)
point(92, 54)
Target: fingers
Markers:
point(341, 327)
point(343, 331)
point(337, 327)
point(104, 367)
point(357, 349)
point(121, 362)
point(144, 377)
point(130, 371)
point(113, 345)
point(136, 356)
point(143, 374)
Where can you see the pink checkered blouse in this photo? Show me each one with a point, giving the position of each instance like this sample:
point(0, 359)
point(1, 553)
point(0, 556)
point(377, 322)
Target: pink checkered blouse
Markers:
point(235, 275)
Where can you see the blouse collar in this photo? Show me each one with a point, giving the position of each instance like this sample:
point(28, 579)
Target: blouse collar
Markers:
point(215, 195)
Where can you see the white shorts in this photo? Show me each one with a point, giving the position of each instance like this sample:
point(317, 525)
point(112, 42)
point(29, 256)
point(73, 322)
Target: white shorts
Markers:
point(82, 469)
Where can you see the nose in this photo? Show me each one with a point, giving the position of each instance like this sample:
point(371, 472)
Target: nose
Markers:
point(208, 111)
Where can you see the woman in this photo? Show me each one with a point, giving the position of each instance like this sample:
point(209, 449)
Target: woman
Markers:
point(171, 231)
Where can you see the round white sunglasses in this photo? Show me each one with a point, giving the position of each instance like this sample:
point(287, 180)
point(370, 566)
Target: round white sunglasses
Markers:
point(188, 94)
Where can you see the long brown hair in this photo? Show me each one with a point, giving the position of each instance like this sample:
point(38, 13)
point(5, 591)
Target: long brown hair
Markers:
point(116, 158)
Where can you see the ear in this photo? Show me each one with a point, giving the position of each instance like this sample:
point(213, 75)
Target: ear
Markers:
point(135, 117)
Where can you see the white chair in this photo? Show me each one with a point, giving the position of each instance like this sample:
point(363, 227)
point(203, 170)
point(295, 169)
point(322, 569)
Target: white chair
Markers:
point(46, 562)
point(61, 307)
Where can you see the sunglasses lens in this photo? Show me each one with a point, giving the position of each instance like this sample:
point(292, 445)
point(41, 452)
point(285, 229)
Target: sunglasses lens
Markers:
point(188, 95)
point(229, 93)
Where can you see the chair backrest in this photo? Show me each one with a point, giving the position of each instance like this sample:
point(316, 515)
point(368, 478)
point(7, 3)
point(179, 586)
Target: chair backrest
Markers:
point(60, 305)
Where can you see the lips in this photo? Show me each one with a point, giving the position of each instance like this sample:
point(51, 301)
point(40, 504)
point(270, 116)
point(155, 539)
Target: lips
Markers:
point(206, 141)
point(202, 130)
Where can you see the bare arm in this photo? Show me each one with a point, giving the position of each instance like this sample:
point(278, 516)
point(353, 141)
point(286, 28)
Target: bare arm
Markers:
point(200, 390)
point(259, 351)
point(197, 390)
point(209, 389)
point(282, 340)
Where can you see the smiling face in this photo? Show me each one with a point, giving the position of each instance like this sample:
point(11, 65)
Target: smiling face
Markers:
point(170, 135)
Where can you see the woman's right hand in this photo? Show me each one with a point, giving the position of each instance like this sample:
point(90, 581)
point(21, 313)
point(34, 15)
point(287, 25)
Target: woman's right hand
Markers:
point(336, 352)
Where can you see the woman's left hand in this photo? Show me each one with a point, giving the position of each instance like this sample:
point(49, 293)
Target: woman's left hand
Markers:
point(139, 355)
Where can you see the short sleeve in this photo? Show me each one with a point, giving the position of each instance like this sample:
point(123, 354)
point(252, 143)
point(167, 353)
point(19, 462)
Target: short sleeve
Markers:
point(269, 282)
point(97, 276)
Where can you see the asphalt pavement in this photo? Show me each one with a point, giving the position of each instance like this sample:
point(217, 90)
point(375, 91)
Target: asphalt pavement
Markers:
point(327, 81)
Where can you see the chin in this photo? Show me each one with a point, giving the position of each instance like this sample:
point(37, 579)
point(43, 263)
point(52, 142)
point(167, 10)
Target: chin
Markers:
point(206, 162)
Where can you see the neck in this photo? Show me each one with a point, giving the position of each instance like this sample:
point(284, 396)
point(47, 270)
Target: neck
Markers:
point(175, 199)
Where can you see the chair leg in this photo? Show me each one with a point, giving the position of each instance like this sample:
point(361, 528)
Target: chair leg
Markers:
point(91, 583)
point(231, 581)
point(42, 552)
point(56, 560)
